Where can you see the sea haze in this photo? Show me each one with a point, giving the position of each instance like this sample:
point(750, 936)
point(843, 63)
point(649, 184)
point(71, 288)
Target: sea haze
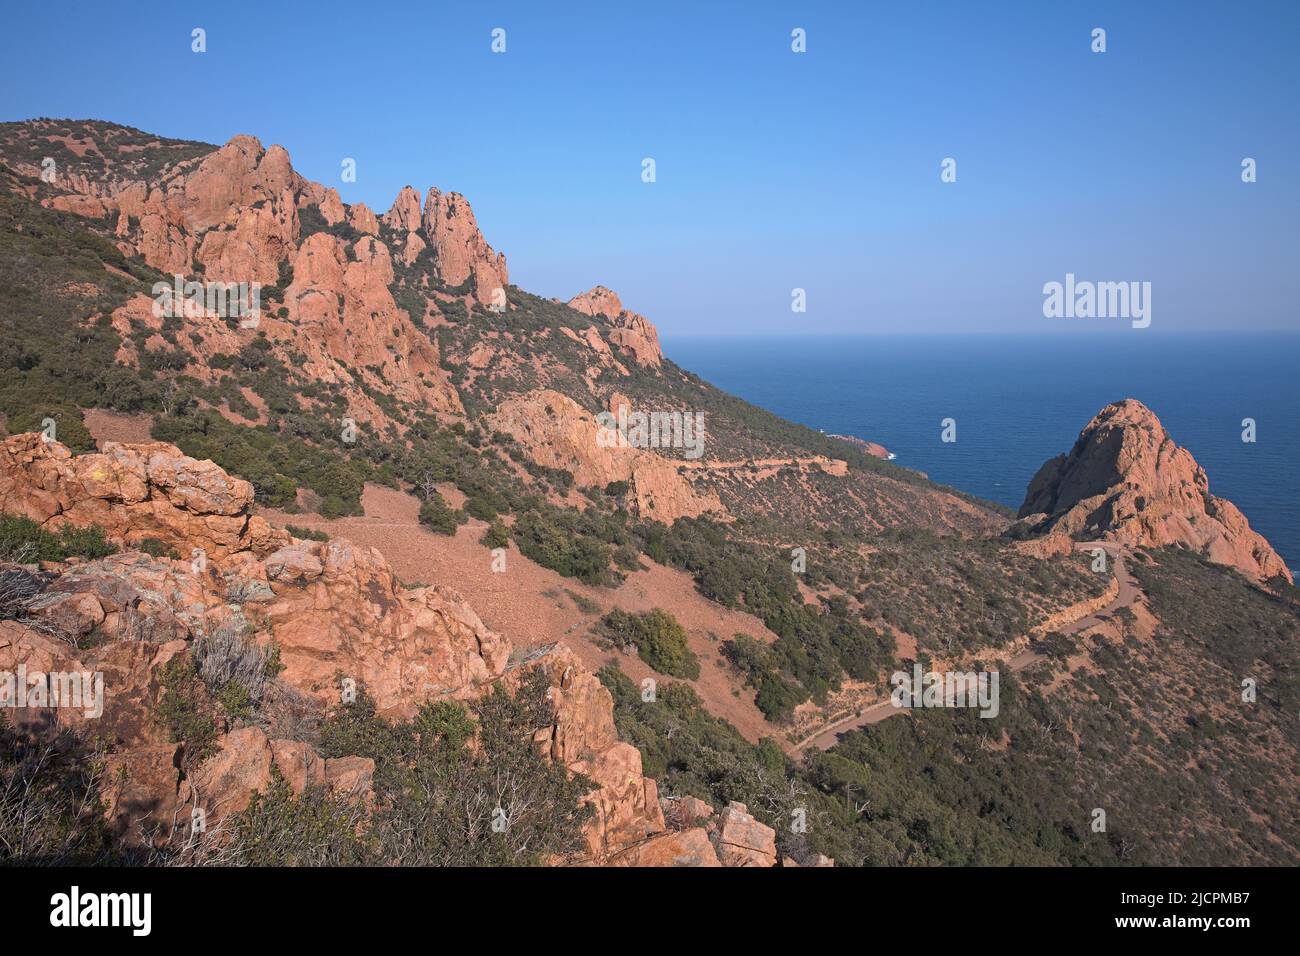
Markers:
point(1021, 400)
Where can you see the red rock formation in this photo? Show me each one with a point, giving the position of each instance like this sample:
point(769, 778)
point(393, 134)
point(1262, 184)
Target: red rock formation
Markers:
point(339, 609)
point(1125, 480)
point(404, 214)
point(557, 432)
point(232, 216)
point(460, 251)
point(741, 840)
point(343, 320)
point(236, 213)
point(628, 330)
point(133, 492)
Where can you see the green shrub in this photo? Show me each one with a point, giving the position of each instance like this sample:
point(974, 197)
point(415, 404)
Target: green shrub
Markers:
point(68, 426)
point(660, 641)
point(22, 539)
point(437, 515)
point(496, 536)
point(555, 543)
point(156, 548)
point(480, 508)
point(436, 796)
point(183, 710)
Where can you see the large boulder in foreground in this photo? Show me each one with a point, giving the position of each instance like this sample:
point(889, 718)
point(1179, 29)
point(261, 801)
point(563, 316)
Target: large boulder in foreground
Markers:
point(1126, 480)
point(133, 492)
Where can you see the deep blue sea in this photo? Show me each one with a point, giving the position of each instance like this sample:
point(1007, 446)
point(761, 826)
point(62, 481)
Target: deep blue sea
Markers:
point(1019, 401)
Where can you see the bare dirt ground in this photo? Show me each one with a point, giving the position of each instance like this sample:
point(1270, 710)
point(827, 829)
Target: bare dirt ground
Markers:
point(114, 426)
point(532, 605)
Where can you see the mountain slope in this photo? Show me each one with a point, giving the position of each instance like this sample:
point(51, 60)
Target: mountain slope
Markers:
point(391, 359)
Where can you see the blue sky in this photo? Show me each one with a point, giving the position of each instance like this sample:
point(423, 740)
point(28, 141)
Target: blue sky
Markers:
point(775, 170)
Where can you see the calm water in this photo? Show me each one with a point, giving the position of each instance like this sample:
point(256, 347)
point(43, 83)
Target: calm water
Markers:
point(1018, 402)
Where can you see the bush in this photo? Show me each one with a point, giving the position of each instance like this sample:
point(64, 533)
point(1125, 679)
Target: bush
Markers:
point(183, 710)
point(496, 536)
point(660, 641)
point(437, 515)
point(157, 548)
point(236, 671)
point(437, 796)
point(556, 544)
point(69, 428)
point(50, 810)
point(480, 508)
point(24, 541)
point(18, 589)
point(281, 828)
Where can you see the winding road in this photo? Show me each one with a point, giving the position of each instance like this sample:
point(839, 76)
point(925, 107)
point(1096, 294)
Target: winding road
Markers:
point(1128, 593)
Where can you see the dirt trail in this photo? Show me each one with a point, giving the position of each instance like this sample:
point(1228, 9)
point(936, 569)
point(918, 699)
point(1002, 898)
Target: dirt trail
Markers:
point(1128, 594)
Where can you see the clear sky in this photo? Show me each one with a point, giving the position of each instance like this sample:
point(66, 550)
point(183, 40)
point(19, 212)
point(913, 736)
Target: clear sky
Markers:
point(775, 170)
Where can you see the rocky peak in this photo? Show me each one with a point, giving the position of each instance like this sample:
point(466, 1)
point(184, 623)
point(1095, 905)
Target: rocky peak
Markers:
point(461, 252)
point(404, 215)
point(1126, 480)
point(598, 301)
point(628, 330)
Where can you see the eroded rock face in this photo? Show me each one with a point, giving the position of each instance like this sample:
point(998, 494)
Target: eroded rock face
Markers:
point(1126, 480)
point(133, 492)
point(339, 609)
point(675, 848)
point(233, 216)
point(236, 213)
point(627, 330)
point(344, 323)
point(460, 251)
point(557, 432)
point(447, 226)
point(226, 781)
point(743, 841)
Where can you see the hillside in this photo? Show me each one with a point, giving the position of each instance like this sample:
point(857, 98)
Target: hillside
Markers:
point(358, 444)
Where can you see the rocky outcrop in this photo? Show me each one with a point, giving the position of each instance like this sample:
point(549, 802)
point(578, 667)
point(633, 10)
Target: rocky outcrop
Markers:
point(232, 216)
point(332, 609)
point(404, 214)
point(344, 323)
point(338, 611)
point(246, 761)
point(741, 840)
point(133, 492)
point(557, 432)
point(235, 213)
point(1126, 480)
point(874, 449)
point(462, 258)
point(629, 331)
point(675, 848)
point(460, 251)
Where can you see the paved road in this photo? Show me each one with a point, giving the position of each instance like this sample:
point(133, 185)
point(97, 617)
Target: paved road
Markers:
point(1128, 593)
